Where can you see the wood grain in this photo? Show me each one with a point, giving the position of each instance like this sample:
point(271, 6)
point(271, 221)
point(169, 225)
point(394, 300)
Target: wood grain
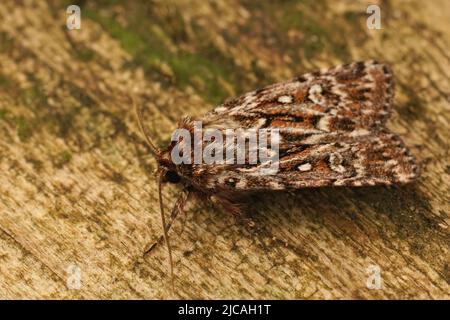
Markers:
point(73, 184)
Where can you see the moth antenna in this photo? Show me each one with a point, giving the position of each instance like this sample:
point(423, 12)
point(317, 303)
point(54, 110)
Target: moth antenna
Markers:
point(163, 221)
point(143, 129)
point(177, 209)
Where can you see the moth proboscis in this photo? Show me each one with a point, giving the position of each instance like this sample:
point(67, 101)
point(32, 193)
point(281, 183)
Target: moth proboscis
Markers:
point(332, 133)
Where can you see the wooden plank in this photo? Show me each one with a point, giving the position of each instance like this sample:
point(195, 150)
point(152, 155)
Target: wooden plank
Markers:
point(74, 192)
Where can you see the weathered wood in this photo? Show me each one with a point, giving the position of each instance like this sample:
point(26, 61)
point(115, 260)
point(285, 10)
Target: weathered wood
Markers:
point(73, 188)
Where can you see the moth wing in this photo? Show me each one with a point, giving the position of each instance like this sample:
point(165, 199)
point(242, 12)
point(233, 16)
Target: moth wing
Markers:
point(376, 158)
point(331, 126)
point(348, 97)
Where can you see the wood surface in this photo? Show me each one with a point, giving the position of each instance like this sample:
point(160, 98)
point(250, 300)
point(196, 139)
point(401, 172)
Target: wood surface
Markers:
point(77, 190)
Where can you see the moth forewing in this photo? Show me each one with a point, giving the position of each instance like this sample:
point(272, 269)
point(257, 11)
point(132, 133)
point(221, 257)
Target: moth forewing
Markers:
point(331, 126)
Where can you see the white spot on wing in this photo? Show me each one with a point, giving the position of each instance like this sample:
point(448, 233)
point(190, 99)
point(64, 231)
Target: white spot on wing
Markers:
point(324, 124)
point(315, 93)
point(305, 167)
point(285, 99)
point(359, 132)
point(392, 163)
point(220, 109)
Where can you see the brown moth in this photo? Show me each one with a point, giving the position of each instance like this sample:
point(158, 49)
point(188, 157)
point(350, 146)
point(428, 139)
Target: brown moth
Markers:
point(332, 133)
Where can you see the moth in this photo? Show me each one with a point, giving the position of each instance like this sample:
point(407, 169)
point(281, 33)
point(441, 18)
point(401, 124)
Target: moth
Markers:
point(332, 132)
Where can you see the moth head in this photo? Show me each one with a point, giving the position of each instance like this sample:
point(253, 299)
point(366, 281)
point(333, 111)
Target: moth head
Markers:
point(165, 166)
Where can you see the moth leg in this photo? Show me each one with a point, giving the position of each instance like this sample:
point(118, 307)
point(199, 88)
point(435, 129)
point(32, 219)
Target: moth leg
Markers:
point(236, 208)
point(177, 209)
point(183, 223)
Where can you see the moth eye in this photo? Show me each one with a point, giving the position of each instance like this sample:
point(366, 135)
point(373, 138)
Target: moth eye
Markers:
point(172, 177)
point(231, 182)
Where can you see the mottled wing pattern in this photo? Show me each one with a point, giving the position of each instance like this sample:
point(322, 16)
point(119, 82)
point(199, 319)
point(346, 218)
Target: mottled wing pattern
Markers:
point(332, 132)
point(340, 99)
